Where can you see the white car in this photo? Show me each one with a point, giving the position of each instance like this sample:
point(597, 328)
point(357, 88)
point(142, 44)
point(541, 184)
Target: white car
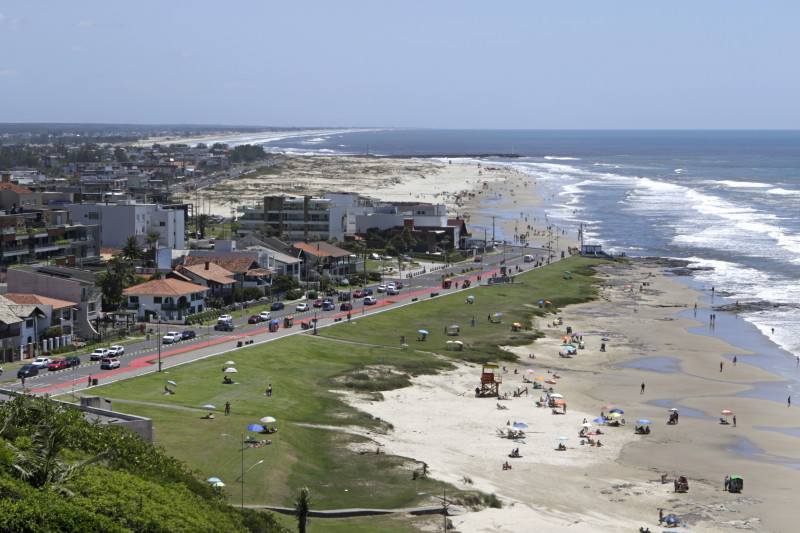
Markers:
point(116, 350)
point(171, 336)
point(264, 315)
point(381, 288)
point(98, 353)
point(301, 307)
point(370, 300)
point(41, 362)
point(109, 363)
point(392, 291)
point(225, 318)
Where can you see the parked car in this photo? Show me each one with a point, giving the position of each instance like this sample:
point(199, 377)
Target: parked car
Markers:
point(58, 364)
point(344, 296)
point(406, 258)
point(328, 306)
point(27, 371)
point(387, 257)
point(116, 350)
point(391, 291)
point(318, 302)
point(478, 259)
point(398, 284)
point(41, 362)
point(98, 354)
point(381, 288)
point(367, 292)
point(73, 360)
point(1, 370)
point(265, 315)
point(224, 326)
point(276, 306)
point(109, 363)
point(370, 300)
point(254, 319)
point(346, 306)
point(374, 256)
point(188, 334)
point(359, 293)
point(171, 336)
point(299, 308)
point(225, 318)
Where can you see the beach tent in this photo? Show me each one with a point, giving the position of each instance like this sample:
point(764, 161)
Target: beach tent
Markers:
point(455, 346)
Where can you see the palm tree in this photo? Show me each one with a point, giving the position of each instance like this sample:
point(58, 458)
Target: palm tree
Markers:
point(302, 506)
point(152, 240)
point(132, 249)
point(114, 280)
point(204, 221)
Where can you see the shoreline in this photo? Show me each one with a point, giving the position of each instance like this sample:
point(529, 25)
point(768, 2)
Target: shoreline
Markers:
point(623, 490)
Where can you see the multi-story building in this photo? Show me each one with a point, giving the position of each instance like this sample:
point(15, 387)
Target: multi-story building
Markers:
point(128, 218)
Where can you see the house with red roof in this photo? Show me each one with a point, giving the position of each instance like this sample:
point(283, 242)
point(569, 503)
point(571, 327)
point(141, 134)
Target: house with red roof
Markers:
point(167, 298)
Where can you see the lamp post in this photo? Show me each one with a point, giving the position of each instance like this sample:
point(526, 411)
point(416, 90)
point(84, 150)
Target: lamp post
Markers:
point(158, 334)
point(241, 476)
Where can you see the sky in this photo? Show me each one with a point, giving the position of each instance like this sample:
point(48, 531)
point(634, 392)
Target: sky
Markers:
point(500, 64)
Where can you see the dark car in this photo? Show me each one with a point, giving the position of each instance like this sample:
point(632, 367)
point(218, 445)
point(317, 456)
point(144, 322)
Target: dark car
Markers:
point(328, 306)
point(188, 334)
point(318, 302)
point(255, 319)
point(224, 326)
point(398, 284)
point(346, 306)
point(344, 296)
point(368, 292)
point(73, 360)
point(58, 364)
point(27, 371)
point(276, 306)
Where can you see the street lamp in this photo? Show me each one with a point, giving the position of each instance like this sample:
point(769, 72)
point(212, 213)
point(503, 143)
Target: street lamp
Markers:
point(158, 334)
point(241, 477)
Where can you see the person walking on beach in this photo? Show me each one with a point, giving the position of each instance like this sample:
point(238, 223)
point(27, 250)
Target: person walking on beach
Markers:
point(227, 408)
point(734, 420)
point(789, 401)
point(269, 390)
point(720, 366)
point(642, 391)
point(734, 360)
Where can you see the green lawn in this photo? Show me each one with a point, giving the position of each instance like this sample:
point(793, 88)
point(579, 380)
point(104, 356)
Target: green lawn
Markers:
point(364, 355)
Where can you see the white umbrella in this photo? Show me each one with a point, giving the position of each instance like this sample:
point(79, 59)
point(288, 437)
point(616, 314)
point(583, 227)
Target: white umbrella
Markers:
point(209, 406)
point(231, 370)
point(230, 363)
point(268, 420)
point(587, 425)
point(562, 438)
point(556, 395)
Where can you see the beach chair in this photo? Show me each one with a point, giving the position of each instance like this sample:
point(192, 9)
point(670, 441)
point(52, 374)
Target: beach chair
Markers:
point(723, 421)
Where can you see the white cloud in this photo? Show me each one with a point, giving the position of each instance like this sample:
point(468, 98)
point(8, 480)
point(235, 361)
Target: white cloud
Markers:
point(77, 48)
point(11, 24)
point(85, 24)
point(8, 73)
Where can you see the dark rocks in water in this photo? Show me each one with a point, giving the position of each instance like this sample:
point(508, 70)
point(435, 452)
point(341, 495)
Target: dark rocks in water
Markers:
point(753, 306)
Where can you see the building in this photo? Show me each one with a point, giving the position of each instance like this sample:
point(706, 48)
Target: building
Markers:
point(220, 282)
point(127, 218)
point(327, 259)
point(296, 217)
point(172, 299)
point(62, 283)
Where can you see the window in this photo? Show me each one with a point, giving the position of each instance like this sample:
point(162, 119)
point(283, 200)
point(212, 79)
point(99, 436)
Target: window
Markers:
point(94, 216)
point(29, 323)
point(156, 299)
point(162, 224)
point(133, 299)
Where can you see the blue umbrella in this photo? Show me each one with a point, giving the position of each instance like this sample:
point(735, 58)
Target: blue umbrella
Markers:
point(670, 519)
point(209, 406)
point(471, 297)
point(643, 421)
point(213, 480)
point(600, 420)
point(604, 339)
point(422, 331)
point(617, 411)
point(172, 383)
point(255, 427)
point(520, 425)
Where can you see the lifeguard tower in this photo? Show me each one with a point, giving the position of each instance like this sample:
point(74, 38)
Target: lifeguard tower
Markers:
point(490, 380)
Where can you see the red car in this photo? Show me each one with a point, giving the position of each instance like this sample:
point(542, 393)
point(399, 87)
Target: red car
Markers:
point(398, 284)
point(358, 294)
point(58, 364)
point(255, 319)
point(318, 303)
point(346, 306)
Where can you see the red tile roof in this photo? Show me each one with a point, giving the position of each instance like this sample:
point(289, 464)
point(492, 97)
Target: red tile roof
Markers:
point(35, 299)
point(321, 249)
point(213, 273)
point(231, 264)
point(164, 287)
point(19, 189)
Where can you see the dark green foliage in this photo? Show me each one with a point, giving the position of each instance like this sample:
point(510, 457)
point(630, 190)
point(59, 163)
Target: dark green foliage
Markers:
point(247, 153)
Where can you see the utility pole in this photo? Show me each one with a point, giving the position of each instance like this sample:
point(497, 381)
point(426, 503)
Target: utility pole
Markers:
point(445, 505)
point(493, 237)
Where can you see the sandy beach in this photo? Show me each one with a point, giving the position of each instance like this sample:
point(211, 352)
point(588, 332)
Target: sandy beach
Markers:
point(616, 487)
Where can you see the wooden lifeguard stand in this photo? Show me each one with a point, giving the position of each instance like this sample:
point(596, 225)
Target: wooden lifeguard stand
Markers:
point(490, 380)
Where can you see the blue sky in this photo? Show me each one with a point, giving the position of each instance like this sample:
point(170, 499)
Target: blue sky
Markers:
point(600, 64)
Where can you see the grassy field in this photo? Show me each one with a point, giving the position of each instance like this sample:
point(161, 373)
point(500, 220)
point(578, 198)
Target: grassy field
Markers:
point(312, 447)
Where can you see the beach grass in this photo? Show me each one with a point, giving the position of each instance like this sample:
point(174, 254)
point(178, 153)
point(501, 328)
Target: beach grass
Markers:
point(322, 442)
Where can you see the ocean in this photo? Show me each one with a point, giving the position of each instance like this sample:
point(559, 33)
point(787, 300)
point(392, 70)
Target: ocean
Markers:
point(727, 201)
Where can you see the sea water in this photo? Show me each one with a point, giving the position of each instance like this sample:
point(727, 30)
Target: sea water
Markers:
point(725, 200)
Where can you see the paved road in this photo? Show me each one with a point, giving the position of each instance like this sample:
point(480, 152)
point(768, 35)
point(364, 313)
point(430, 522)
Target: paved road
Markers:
point(143, 357)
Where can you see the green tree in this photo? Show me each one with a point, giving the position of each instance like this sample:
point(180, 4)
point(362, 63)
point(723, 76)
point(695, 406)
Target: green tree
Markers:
point(152, 240)
point(203, 222)
point(302, 506)
point(132, 249)
point(112, 282)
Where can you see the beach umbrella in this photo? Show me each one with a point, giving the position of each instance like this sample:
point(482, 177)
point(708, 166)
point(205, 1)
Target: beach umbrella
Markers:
point(529, 371)
point(268, 420)
point(565, 338)
point(470, 297)
point(172, 383)
point(230, 363)
point(231, 370)
point(550, 381)
point(520, 441)
point(541, 301)
point(674, 409)
point(643, 421)
point(562, 438)
point(599, 420)
point(567, 272)
point(615, 415)
point(727, 412)
point(586, 425)
point(454, 326)
point(520, 425)
point(424, 332)
point(609, 406)
point(548, 302)
point(457, 342)
point(560, 402)
point(556, 395)
point(213, 480)
point(255, 427)
point(671, 519)
point(517, 324)
point(218, 484)
point(538, 379)
point(605, 339)
point(208, 406)
point(498, 314)
point(620, 411)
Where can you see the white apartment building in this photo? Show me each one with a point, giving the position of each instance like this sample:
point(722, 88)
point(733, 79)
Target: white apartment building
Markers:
point(126, 218)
